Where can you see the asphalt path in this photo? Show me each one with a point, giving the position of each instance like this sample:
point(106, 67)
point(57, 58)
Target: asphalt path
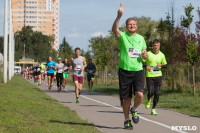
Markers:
point(105, 112)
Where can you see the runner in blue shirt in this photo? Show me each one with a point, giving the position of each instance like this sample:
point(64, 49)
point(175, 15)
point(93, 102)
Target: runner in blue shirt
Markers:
point(50, 65)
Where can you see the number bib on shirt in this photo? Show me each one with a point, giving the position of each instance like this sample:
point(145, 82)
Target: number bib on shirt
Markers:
point(154, 69)
point(134, 52)
point(78, 67)
point(90, 71)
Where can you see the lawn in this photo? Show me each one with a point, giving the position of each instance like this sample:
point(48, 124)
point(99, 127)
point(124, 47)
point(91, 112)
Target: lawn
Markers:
point(25, 108)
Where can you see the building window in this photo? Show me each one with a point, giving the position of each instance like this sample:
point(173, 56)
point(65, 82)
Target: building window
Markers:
point(44, 8)
point(18, 17)
point(39, 7)
point(44, 22)
point(18, 12)
point(18, 7)
point(39, 22)
point(44, 3)
point(18, 22)
point(43, 12)
point(44, 17)
point(19, 2)
point(18, 27)
point(39, 3)
point(43, 32)
point(44, 27)
point(39, 17)
point(39, 27)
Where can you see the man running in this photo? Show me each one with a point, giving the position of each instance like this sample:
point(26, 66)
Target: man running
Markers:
point(131, 76)
point(66, 72)
point(78, 64)
point(42, 72)
point(38, 73)
point(91, 70)
point(34, 73)
point(50, 65)
point(155, 61)
point(59, 73)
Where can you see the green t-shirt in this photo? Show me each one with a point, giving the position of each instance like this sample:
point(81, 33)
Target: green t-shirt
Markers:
point(43, 67)
point(130, 51)
point(152, 61)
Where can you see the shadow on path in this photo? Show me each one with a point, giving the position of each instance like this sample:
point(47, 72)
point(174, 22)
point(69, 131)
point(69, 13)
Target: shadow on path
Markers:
point(84, 124)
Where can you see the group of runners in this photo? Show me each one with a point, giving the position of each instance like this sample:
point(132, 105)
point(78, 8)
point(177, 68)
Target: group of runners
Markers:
point(133, 54)
point(78, 66)
point(60, 72)
point(37, 73)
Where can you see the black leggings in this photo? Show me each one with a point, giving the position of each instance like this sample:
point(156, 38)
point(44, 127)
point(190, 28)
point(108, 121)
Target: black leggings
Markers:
point(153, 90)
point(59, 78)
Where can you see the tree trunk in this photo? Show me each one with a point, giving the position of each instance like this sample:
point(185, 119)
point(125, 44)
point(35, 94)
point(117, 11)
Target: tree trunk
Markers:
point(173, 75)
point(188, 74)
point(193, 75)
point(106, 75)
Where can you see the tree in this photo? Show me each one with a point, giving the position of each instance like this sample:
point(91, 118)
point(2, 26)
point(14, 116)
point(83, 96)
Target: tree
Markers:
point(37, 45)
point(65, 50)
point(188, 19)
point(186, 23)
point(193, 57)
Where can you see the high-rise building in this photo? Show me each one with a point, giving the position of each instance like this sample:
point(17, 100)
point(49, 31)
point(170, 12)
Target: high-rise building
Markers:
point(42, 15)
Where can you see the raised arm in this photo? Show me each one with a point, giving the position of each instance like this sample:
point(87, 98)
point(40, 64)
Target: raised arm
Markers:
point(115, 28)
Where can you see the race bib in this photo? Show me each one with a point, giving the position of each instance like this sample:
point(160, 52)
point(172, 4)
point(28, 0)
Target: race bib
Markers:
point(38, 69)
point(90, 71)
point(78, 67)
point(134, 52)
point(154, 69)
point(65, 68)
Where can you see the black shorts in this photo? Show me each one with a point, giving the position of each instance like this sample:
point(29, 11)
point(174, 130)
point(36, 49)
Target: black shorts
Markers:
point(90, 76)
point(37, 73)
point(50, 74)
point(129, 82)
point(34, 73)
point(154, 81)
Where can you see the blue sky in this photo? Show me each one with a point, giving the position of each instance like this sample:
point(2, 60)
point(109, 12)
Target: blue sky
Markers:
point(82, 19)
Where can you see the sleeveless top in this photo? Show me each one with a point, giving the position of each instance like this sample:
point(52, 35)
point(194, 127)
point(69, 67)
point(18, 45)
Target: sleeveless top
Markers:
point(77, 65)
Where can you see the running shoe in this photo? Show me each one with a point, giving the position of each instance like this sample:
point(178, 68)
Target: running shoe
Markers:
point(153, 112)
point(77, 100)
point(147, 105)
point(128, 125)
point(135, 116)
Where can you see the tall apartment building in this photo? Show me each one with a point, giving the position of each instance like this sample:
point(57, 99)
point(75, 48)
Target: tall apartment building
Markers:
point(42, 15)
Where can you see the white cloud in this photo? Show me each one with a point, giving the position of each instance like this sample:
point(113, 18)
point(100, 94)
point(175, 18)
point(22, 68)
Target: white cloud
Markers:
point(73, 35)
point(96, 34)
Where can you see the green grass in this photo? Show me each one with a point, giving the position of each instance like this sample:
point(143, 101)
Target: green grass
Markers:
point(25, 108)
point(184, 102)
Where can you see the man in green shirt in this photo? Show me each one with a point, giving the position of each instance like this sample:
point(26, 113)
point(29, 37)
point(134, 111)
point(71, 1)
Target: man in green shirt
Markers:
point(42, 71)
point(131, 76)
point(155, 61)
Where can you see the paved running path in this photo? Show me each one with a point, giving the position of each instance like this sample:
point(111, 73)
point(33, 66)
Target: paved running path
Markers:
point(105, 113)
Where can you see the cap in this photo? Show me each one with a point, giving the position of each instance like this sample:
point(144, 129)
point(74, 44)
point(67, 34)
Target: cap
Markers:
point(40, 61)
point(59, 58)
